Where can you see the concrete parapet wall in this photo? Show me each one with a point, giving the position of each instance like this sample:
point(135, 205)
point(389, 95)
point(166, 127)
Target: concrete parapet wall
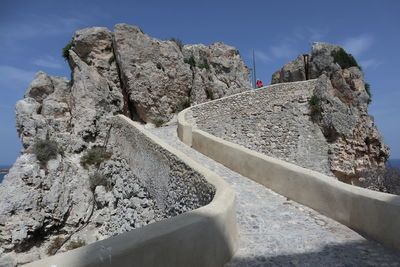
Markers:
point(206, 236)
point(373, 213)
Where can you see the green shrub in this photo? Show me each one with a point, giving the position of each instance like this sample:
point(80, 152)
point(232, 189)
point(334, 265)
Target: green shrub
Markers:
point(184, 103)
point(158, 122)
point(55, 245)
point(190, 61)
point(98, 178)
point(343, 59)
point(315, 106)
point(204, 66)
point(45, 150)
point(65, 50)
point(178, 42)
point(95, 156)
point(76, 244)
point(87, 61)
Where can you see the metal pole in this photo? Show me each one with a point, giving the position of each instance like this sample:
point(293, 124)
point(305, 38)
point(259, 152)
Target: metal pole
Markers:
point(254, 71)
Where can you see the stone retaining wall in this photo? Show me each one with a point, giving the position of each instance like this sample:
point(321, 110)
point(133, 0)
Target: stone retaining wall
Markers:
point(206, 236)
point(373, 213)
point(274, 120)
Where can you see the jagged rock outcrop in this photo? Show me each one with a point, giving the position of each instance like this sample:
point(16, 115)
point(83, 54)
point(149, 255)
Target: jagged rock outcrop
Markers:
point(355, 144)
point(125, 72)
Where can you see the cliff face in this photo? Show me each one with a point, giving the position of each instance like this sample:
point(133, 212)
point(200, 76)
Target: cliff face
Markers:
point(125, 72)
point(340, 109)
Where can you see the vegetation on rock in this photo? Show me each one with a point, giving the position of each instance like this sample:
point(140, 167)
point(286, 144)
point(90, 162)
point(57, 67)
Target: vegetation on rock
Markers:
point(45, 150)
point(182, 104)
point(98, 178)
point(178, 42)
point(65, 50)
point(190, 61)
point(95, 156)
point(76, 244)
point(158, 122)
point(55, 245)
point(344, 59)
point(204, 65)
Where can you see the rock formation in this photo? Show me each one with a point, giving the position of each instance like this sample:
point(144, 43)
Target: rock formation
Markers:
point(125, 72)
point(340, 110)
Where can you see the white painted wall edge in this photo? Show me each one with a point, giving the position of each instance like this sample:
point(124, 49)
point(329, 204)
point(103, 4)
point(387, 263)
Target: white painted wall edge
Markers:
point(373, 213)
point(207, 236)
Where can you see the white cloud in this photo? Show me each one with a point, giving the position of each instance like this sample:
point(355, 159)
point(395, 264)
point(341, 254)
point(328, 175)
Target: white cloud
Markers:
point(359, 44)
point(282, 51)
point(10, 75)
point(263, 57)
point(35, 26)
point(370, 63)
point(48, 62)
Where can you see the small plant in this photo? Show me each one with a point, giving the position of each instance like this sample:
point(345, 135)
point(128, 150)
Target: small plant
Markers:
point(98, 178)
point(76, 244)
point(184, 103)
point(55, 245)
point(368, 90)
point(315, 106)
point(111, 60)
point(204, 66)
point(190, 61)
point(87, 61)
point(95, 156)
point(65, 50)
point(343, 59)
point(178, 42)
point(45, 150)
point(158, 122)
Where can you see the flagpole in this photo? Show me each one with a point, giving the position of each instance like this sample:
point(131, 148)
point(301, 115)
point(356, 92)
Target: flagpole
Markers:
point(254, 71)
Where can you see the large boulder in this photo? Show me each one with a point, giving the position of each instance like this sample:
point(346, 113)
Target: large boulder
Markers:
point(355, 143)
point(126, 72)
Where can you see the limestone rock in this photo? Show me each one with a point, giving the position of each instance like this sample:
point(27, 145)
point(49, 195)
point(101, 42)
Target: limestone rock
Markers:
point(126, 72)
point(354, 140)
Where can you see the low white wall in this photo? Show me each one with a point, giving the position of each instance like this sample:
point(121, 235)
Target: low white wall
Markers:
point(206, 236)
point(373, 213)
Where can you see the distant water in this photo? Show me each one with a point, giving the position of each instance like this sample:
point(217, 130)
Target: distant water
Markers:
point(394, 163)
point(3, 174)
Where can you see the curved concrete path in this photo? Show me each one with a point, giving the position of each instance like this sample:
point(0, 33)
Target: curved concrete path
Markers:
point(275, 231)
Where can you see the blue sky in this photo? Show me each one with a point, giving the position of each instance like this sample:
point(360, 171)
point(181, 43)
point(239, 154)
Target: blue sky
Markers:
point(32, 34)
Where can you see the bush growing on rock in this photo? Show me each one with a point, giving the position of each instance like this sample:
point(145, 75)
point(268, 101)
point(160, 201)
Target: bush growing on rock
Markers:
point(76, 244)
point(204, 66)
point(178, 42)
point(190, 61)
point(158, 122)
point(98, 178)
point(65, 50)
point(95, 156)
point(343, 59)
point(182, 104)
point(45, 150)
point(55, 245)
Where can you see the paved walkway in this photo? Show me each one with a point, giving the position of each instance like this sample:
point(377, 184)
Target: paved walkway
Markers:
point(275, 231)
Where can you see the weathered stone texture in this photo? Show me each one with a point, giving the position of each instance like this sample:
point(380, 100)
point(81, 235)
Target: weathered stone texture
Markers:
point(355, 143)
point(126, 72)
point(274, 121)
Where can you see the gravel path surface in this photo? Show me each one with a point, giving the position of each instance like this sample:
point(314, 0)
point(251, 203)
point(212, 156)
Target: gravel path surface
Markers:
point(275, 231)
